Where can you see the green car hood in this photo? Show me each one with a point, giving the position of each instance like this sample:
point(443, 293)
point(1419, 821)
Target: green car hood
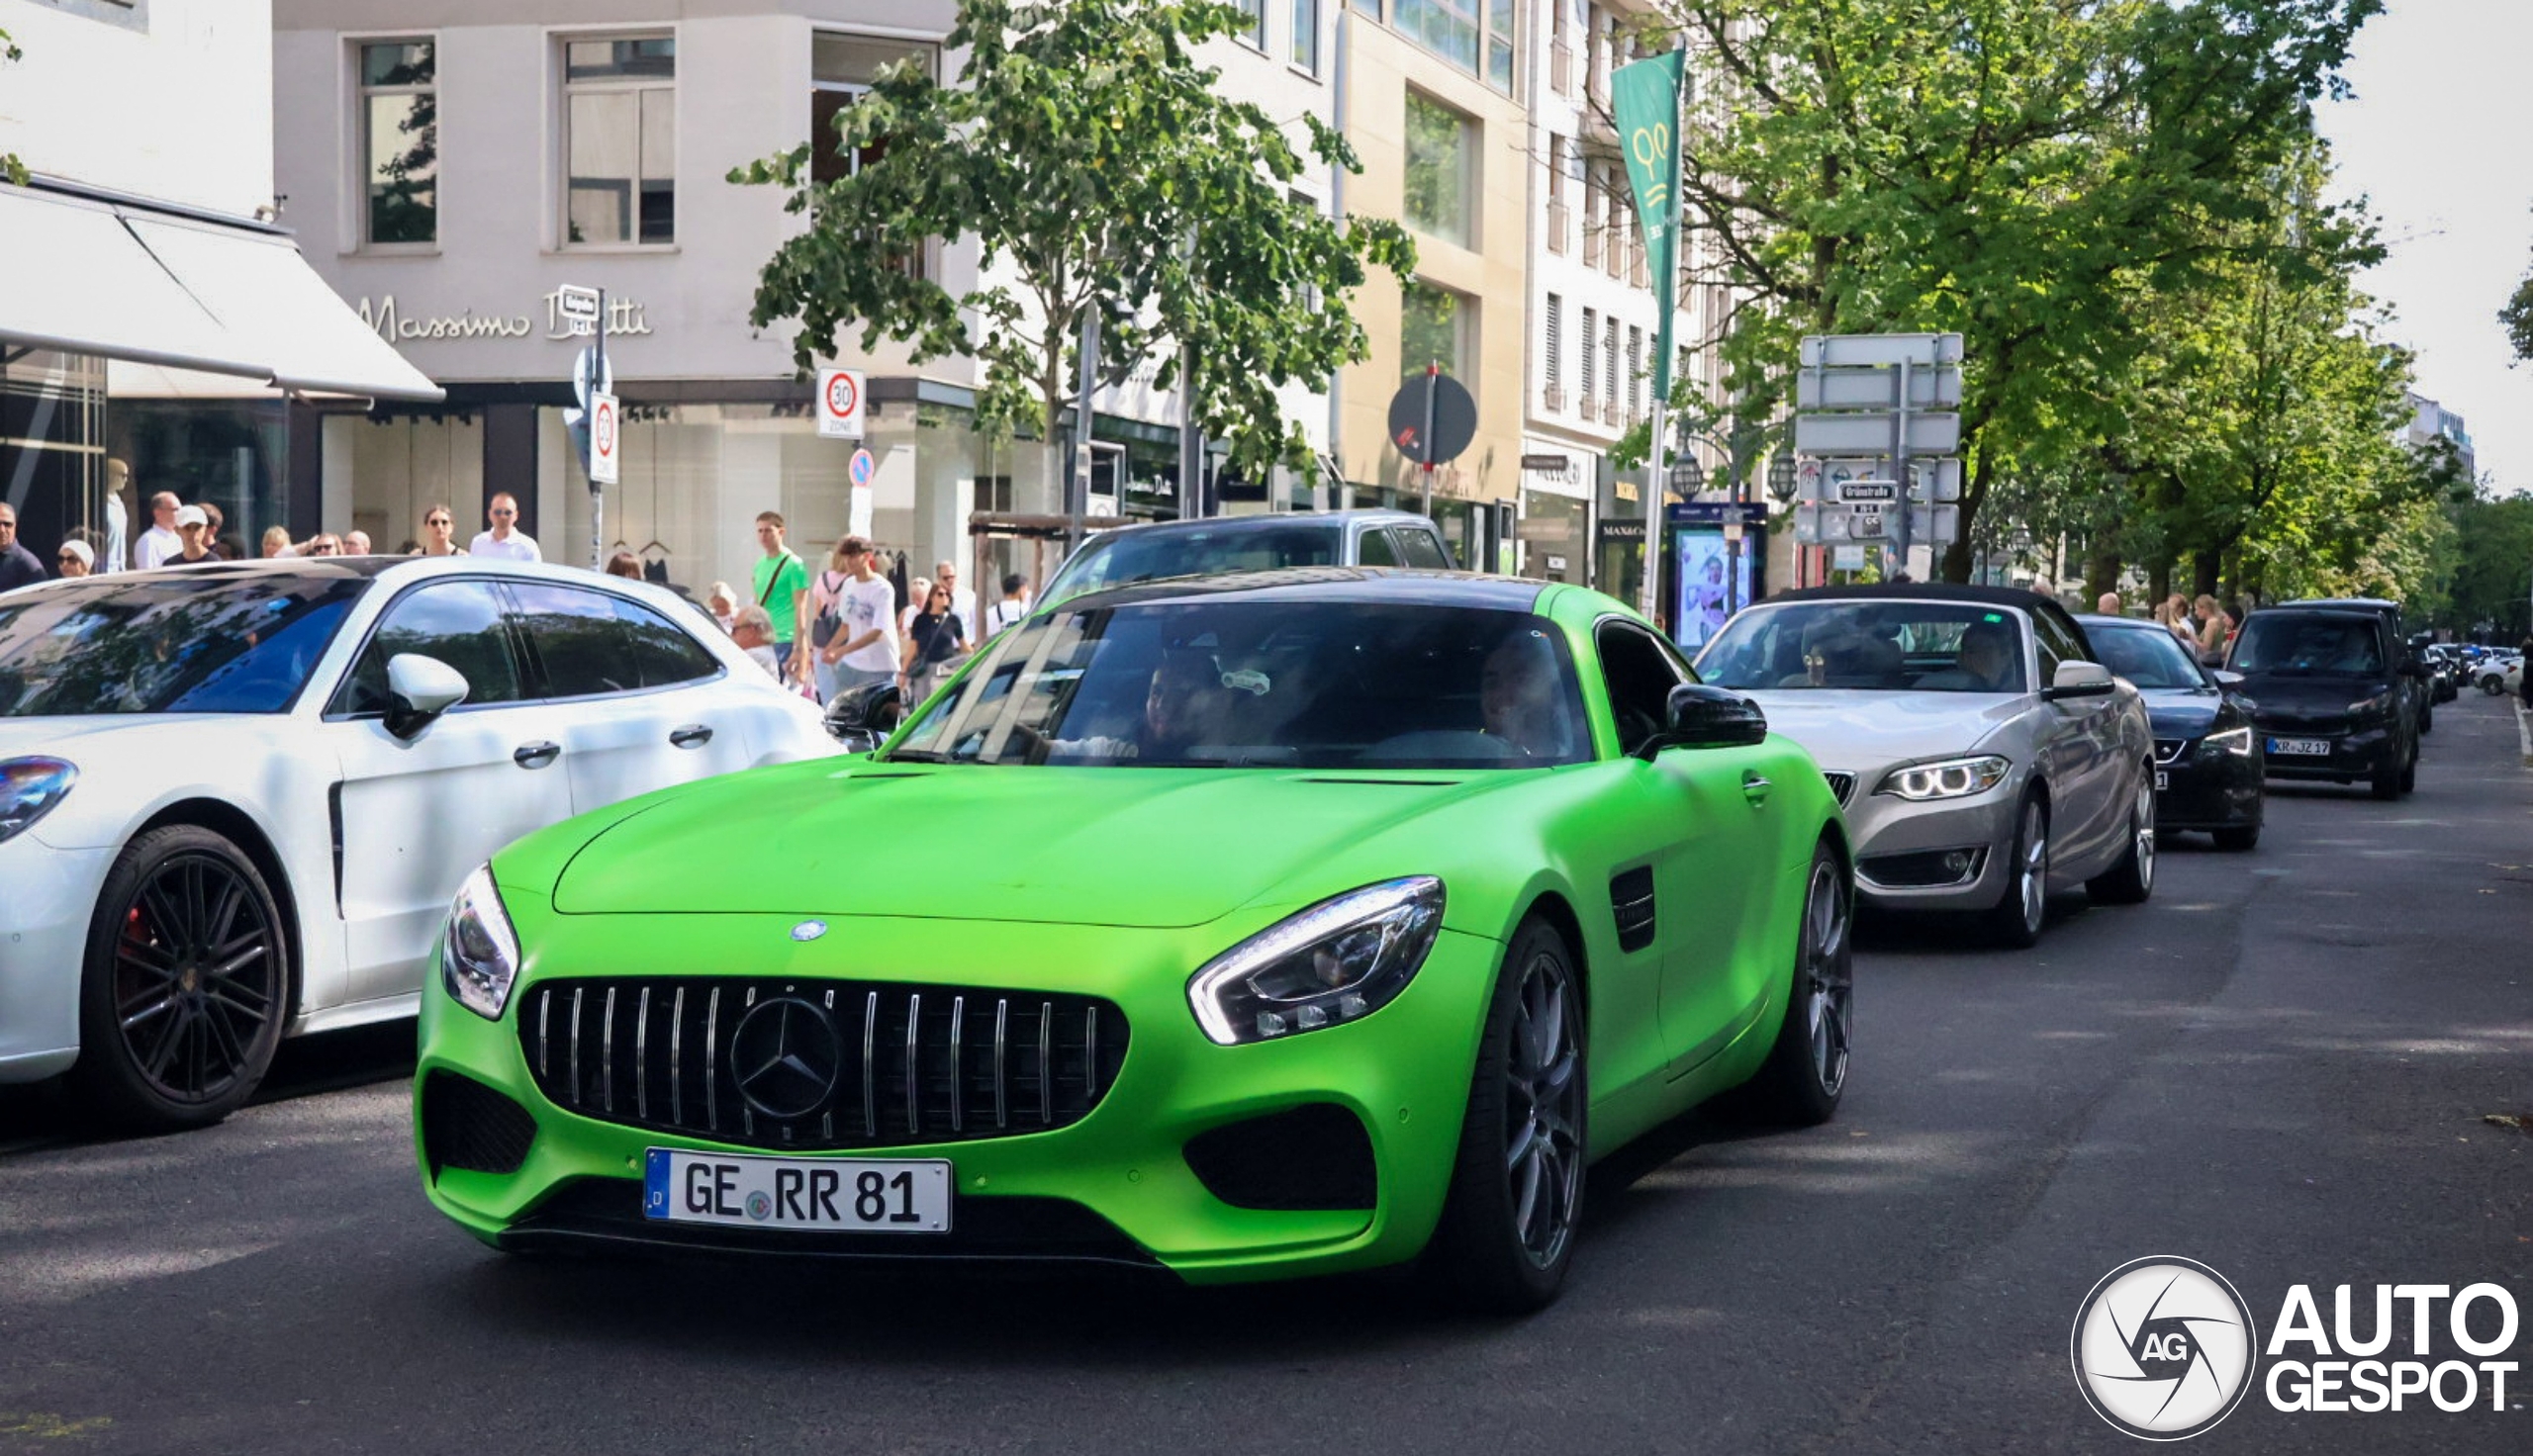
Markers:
point(1118, 847)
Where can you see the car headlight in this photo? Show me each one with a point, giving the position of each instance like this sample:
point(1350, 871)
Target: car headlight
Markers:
point(2235, 741)
point(2380, 703)
point(1950, 778)
point(1340, 960)
point(479, 951)
point(29, 789)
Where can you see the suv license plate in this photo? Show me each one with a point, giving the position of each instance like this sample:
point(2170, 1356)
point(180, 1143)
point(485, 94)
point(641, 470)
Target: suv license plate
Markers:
point(2321, 746)
point(2163, 780)
point(826, 1195)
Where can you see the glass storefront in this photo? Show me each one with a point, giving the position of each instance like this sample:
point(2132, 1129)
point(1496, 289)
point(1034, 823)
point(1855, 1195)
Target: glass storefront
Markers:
point(1553, 533)
point(234, 454)
point(52, 452)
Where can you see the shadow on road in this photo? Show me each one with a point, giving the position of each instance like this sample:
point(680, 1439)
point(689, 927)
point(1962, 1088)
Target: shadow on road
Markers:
point(45, 1116)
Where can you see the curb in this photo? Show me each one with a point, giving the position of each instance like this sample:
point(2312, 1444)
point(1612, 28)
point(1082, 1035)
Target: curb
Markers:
point(2525, 732)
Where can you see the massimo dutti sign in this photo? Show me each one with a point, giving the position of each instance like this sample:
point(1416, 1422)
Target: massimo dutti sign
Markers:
point(396, 326)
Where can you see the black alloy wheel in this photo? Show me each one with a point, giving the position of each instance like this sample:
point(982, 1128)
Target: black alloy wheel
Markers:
point(1800, 1083)
point(186, 987)
point(1507, 1232)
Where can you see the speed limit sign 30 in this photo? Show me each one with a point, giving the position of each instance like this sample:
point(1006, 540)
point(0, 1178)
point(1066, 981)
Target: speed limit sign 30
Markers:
point(840, 395)
point(606, 439)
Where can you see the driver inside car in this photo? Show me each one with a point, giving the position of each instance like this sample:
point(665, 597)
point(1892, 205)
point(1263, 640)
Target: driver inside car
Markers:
point(1183, 707)
point(1983, 665)
point(1517, 696)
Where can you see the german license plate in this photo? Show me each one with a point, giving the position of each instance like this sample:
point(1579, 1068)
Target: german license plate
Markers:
point(826, 1195)
point(2163, 780)
point(2321, 746)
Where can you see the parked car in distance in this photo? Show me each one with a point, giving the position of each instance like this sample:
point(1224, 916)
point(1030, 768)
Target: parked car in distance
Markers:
point(2327, 684)
point(2417, 696)
point(2500, 675)
point(2208, 754)
point(236, 800)
point(1211, 545)
point(1984, 754)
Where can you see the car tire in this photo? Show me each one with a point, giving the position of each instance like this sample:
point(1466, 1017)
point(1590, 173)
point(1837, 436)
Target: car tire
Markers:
point(2132, 880)
point(2385, 782)
point(2020, 913)
point(2410, 775)
point(2493, 686)
point(2239, 840)
point(1507, 1232)
point(185, 987)
point(2427, 716)
point(1806, 1074)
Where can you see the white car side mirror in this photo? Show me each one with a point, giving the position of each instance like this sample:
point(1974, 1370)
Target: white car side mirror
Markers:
point(2079, 680)
point(420, 688)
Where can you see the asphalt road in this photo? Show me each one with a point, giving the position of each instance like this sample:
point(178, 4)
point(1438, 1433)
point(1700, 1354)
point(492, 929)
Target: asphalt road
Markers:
point(2278, 1067)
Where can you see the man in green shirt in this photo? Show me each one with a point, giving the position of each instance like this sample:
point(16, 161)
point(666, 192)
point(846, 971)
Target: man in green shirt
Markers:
point(781, 583)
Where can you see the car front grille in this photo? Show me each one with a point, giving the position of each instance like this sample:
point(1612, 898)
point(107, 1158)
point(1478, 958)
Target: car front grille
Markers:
point(2308, 726)
point(809, 1063)
point(1843, 785)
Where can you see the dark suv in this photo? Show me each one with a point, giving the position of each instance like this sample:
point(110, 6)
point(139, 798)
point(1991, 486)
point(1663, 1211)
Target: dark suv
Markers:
point(2417, 682)
point(2334, 688)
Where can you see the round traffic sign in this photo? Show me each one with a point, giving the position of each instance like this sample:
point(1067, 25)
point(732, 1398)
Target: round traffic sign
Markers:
point(603, 428)
point(1453, 411)
point(862, 468)
point(842, 397)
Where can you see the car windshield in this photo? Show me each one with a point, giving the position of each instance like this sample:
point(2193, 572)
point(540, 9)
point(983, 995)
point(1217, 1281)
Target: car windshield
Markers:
point(1283, 683)
point(167, 643)
point(1124, 556)
point(1884, 646)
point(2320, 645)
point(2149, 657)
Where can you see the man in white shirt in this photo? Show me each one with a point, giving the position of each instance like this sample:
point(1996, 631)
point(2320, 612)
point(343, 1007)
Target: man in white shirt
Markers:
point(504, 541)
point(753, 630)
point(962, 602)
point(865, 650)
point(161, 541)
point(1013, 606)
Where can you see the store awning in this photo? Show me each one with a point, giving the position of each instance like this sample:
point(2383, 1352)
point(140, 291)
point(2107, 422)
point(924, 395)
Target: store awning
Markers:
point(123, 282)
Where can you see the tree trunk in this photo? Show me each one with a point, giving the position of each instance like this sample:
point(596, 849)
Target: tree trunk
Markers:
point(2101, 573)
point(2209, 570)
point(2159, 581)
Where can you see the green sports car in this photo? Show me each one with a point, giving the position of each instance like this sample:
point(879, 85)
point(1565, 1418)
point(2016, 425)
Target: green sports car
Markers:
point(1240, 927)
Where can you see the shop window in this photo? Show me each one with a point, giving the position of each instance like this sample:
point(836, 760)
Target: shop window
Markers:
point(842, 70)
point(1440, 170)
point(1434, 328)
point(620, 141)
point(400, 142)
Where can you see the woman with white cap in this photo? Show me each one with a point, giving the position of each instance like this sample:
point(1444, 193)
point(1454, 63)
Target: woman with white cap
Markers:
point(75, 558)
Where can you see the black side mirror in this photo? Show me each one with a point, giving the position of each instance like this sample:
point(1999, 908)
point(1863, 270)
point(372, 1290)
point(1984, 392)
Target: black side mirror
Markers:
point(862, 719)
point(1699, 716)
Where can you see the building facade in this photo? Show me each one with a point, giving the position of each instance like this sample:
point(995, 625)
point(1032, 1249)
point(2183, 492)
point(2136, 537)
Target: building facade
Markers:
point(2431, 421)
point(157, 326)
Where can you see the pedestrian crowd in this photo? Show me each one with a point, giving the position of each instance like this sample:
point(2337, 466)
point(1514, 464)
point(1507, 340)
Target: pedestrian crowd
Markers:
point(2206, 626)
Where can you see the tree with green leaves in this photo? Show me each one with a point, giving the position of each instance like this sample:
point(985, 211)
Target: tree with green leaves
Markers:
point(12, 171)
point(1101, 169)
point(2012, 170)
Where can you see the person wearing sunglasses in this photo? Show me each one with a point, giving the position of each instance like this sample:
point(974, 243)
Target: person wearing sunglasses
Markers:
point(505, 540)
point(324, 543)
point(439, 533)
point(76, 558)
point(19, 567)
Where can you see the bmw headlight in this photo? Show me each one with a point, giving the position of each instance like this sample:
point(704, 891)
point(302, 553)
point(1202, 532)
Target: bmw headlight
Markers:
point(479, 951)
point(2235, 741)
point(1339, 961)
point(29, 789)
point(1949, 779)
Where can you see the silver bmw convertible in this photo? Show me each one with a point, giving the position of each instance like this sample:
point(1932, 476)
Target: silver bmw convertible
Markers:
point(1984, 755)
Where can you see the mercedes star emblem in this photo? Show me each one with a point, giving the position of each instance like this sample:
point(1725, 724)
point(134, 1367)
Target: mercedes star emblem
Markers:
point(808, 930)
point(786, 1057)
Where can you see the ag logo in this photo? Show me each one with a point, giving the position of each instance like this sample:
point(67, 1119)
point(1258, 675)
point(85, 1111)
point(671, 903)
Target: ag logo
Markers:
point(2163, 1348)
point(784, 1056)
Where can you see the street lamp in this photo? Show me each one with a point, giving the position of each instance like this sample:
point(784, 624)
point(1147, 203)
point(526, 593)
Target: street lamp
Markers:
point(1688, 477)
point(1781, 477)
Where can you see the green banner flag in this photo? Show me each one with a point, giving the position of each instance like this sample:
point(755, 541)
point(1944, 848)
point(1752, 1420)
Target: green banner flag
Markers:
point(1645, 97)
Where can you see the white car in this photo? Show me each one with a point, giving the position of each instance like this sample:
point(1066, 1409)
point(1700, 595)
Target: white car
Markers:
point(236, 800)
point(2500, 678)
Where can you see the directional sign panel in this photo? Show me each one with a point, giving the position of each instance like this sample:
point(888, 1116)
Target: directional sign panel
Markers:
point(1872, 389)
point(1863, 351)
point(1870, 434)
point(1938, 480)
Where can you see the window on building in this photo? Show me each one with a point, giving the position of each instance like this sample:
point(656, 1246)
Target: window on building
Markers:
point(1441, 158)
point(1434, 328)
point(1634, 372)
point(1474, 35)
point(1553, 358)
point(1610, 373)
point(619, 141)
point(1558, 218)
point(842, 69)
point(1591, 374)
point(1255, 34)
point(1306, 34)
point(400, 142)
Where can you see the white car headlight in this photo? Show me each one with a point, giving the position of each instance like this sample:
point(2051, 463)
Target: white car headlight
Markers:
point(1949, 778)
point(1339, 961)
point(2235, 741)
point(29, 789)
point(479, 951)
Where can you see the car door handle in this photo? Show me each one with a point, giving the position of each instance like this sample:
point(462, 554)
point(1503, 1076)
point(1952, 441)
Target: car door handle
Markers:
point(1755, 788)
point(693, 734)
point(536, 755)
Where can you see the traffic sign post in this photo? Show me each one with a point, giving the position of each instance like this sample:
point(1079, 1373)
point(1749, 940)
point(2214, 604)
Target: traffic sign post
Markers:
point(607, 436)
point(1432, 420)
point(1881, 419)
point(841, 392)
point(582, 308)
point(592, 381)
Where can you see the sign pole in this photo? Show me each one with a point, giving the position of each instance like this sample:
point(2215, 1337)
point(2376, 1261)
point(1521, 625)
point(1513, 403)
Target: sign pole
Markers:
point(1648, 98)
point(598, 493)
point(1432, 385)
point(1078, 493)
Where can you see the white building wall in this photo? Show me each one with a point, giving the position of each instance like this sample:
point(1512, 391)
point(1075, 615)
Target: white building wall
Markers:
point(167, 99)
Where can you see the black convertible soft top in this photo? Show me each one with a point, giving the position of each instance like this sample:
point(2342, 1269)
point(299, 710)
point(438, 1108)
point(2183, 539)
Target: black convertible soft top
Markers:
point(2016, 596)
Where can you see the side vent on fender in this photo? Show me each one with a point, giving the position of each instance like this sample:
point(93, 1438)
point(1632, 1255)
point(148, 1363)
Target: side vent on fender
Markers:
point(1632, 904)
